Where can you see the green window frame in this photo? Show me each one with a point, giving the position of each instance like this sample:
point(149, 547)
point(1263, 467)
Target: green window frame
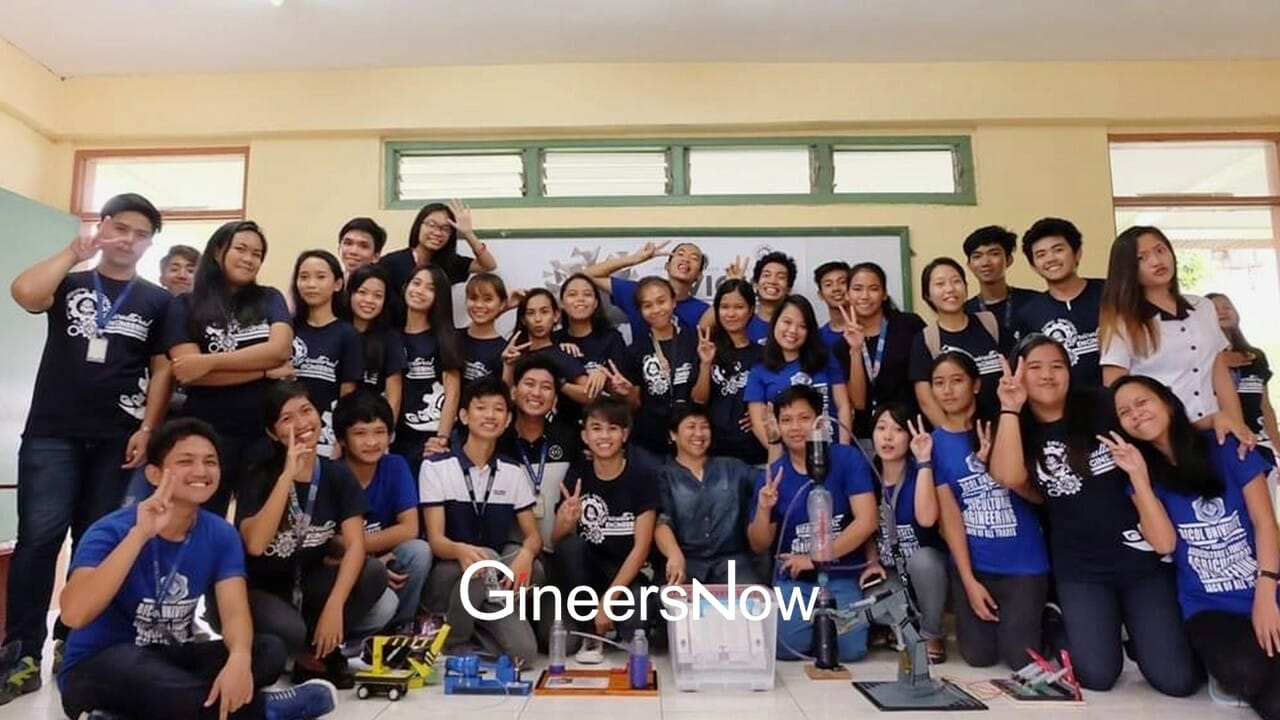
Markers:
point(822, 170)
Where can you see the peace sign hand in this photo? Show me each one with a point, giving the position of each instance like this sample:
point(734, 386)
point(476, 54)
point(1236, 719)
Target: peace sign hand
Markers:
point(513, 351)
point(984, 440)
point(84, 247)
point(768, 498)
point(706, 348)
point(737, 269)
point(618, 383)
point(649, 250)
point(921, 441)
point(153, 513)
point(571, 503)
point(1128, 458)
point(852, 330)
point(1011, 390)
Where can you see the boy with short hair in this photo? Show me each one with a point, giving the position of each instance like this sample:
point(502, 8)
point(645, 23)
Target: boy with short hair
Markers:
point(990, 254)
point(832, 280)
point(131, 599)
point(178, 269)
point(475, 502)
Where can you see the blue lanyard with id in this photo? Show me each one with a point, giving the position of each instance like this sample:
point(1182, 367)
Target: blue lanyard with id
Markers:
point(163, 588)
point(301, 523)
point(873, 367)
point(97, 350)
point(535, 478)
point(479, 507)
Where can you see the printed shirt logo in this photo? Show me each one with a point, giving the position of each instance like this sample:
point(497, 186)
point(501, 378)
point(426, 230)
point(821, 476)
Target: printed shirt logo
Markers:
point(1076, 343)
point(170, 621)
point(656, 379)
point(908, 543)
point(597, 524)
point(320, 368)
point(988, 507)
point(1218, 549)
point(234, 334)
point(427, 418)
point(475, 370)
point(800, 544)
point(285, 543)
point(82, 318)
point(988, 364)
point(135, 405)
point(730, 382)
point(1055, 473)
point(555, 452)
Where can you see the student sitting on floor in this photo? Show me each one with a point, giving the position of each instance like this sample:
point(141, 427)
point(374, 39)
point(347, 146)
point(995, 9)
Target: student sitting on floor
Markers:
point(127, 655)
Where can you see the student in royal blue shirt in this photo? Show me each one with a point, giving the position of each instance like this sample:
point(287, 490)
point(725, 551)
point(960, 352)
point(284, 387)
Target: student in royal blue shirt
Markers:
point(326, 349)
point(794, 355)
point(726, 355)
point(908, 536)
point(227, 339)
point(780, 519)
point(103, 384)
point(1206, 506)
point(832, 281)
point(433, 368)
point(1106, 576)
point(382, 345)
point(1068, 309)
point(989, 251)
point(685, 265)
point(363, 424)
point(1000, 573)
point(131, 597)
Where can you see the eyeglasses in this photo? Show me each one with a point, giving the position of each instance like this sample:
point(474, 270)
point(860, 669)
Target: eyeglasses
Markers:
point(430, 226)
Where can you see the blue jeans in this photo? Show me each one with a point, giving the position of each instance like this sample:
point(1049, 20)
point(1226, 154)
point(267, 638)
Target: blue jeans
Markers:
point(1148, 609)
point(414, 557)
point(795, 634)
point(63, 484)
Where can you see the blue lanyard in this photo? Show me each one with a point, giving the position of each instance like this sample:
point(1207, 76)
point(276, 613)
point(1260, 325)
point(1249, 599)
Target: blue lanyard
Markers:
point(163, 588)
point(303, 517)
point(536, 479)
point(873, 368)
point(1008, 307)
point(100, 301)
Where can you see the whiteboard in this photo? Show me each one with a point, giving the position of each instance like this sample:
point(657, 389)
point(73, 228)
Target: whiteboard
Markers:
point(547, 258)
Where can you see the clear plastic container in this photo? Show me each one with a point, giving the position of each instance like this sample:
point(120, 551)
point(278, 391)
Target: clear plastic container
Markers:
point(711, 652)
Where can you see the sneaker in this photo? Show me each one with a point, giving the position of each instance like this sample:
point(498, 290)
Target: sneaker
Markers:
point(311, 699)
point(59, 649)
point(22, 678)
point(591, 652)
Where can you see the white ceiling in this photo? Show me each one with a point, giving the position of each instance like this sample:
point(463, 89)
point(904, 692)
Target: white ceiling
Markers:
point(115, 37)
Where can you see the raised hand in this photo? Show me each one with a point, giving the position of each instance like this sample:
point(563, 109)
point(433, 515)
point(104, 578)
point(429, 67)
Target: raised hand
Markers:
point(1012, 391)
point(571, 502)
point(984, 440)
point(649, 250)
point(768, 497)
point(921, 441)
point(514, 351)
point(295, 455)
point(515, 297)
point(1128, 458)
point(737, 269)
point(84, 247)
point(618, 383)
point(771, 429)
point(153, 513)
point(706, 348)
point(852, 333)
point(461, 217)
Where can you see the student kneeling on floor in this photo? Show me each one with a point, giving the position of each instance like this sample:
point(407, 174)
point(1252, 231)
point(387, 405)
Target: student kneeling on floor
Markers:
point(131, 656)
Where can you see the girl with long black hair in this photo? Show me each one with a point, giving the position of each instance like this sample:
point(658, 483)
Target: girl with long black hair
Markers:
point(433, 375)
point(226, 338)
point(371, 301)
point(326, 348)
point(433, 239)
point(726, 356)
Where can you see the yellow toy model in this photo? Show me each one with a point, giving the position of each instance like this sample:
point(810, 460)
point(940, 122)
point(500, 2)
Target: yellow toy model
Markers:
point(400, 663)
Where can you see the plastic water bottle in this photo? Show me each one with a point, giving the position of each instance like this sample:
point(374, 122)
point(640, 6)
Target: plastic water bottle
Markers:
point(820, 540)
point(556, 647)
point(638, 663)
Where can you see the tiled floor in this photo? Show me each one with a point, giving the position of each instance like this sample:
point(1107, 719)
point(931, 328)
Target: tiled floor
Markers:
point(795, 697)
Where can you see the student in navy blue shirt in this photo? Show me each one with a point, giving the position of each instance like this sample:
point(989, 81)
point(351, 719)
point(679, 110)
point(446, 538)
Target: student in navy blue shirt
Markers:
point(326, 349)
point(102, 386)
point(228, 338)
point(1068, 310)
point(536, 319)
point(298, 512)
point(360, 244)
point(363, 423)
point(908, 538)
point(1209, 508)
point(794, 355)
point(1106, 576)
point(433, 240)
point(433, 368)
point(977, 335)
point(661, 368)
point(989, 251)
point(134, 585)
point(832, 280)
point(1000, 572)
point(482, 344)
point(685, 265)
point(586, 332)
point(382, 345)
point(726, 355)
point(1252, 372)
point(876, 364)
point(475, 503)
point(780, 520)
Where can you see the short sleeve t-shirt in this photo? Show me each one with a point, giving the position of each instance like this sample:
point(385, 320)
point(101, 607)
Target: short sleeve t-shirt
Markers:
point(1092, 524)
point(393, 360)
point(891, 383)
point(338, 498)
point(422, 400)
point(212, 553)
point(483, 357)
point(911, 536)
point(1073, 323)
point(1251, 385)
point(662, 385)
point(598, 348)
point(623, 291)
point(1215, 554)
point(75, 397)
point(400, 266)
point(610, 509)
point(977, 343)
point(324, 358)
point(480, 503)
point(231, 409)
point(1001, 528)
point(850, 476)
point(727, 405)
point(757, 330)
point(763, 384)
point(1005, 310)
point(391, 492)
point(544, 464)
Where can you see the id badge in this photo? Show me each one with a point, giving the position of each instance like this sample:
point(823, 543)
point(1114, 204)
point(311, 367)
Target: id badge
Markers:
point(539, 507)
point(97, 352)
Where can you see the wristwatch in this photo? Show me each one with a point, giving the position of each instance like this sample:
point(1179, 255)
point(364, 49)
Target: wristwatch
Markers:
point(1268, 574)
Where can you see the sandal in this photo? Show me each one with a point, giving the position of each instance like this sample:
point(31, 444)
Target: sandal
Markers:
point(936, 655)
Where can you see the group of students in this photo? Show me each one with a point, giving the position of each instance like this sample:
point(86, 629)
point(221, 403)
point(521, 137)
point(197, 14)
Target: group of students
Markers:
point(1102, 447)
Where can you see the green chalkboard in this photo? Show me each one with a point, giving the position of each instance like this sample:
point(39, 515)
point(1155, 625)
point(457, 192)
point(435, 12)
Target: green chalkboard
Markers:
point(29, 232)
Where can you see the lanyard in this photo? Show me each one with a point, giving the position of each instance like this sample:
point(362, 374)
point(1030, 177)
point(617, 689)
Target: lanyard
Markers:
point(873, 367)
point(163, 588)
point(302, 519)
point(100, 301)
point(479, 507)
point(535, 478)
point(1008, 308)
point(670, 364)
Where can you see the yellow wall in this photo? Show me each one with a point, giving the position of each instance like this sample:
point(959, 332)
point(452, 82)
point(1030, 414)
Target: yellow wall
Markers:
point(26, 159)
point(1039, 132)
